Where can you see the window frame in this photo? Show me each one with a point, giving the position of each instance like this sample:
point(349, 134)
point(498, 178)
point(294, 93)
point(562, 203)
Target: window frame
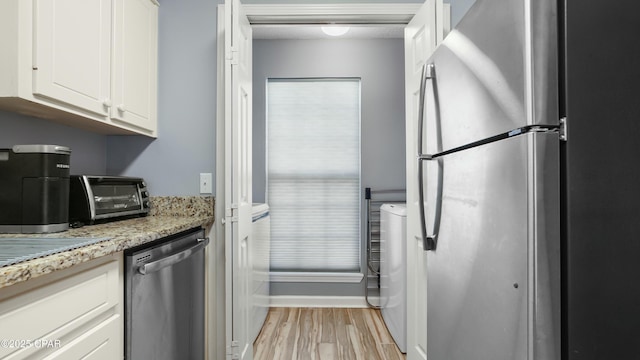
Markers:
point(340, 276)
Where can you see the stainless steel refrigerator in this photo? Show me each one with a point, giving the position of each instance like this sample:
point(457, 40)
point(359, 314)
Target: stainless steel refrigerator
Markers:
point(528, 163)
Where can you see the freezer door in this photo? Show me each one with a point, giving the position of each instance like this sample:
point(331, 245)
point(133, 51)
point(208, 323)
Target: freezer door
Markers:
point(497, 70)
point(494, 273)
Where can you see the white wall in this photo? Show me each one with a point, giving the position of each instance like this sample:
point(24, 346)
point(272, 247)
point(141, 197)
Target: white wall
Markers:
point(380, 65)
point(458, 7)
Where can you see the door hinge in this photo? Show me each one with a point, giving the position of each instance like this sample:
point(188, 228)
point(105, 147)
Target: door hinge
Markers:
point(563, 129)
point(231, 213)
point(232, 56)
point(233, 350)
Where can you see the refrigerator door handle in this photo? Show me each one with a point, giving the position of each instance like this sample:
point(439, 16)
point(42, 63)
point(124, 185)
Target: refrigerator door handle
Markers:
point(427, 73)
point(423, 225)
point(423, 84)
point(429, 241)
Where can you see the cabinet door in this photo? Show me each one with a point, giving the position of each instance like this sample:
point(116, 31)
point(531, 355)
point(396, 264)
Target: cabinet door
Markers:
point(135, 64)
point(78, 313)
point(102, 342)
point(72, 51)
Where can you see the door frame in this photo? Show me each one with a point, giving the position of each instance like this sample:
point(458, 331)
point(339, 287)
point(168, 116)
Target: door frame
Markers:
point(274, 14)
point(370, 14)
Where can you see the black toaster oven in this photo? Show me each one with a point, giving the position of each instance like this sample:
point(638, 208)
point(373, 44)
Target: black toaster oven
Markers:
point(105, 198)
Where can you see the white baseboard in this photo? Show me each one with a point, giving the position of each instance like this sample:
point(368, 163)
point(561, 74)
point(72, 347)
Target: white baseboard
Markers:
point(320, 301)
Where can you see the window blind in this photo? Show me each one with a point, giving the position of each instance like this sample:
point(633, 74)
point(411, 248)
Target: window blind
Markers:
point(313, 174)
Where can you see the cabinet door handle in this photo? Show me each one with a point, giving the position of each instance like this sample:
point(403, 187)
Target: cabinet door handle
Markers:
point(106, 103)
point(121, 108)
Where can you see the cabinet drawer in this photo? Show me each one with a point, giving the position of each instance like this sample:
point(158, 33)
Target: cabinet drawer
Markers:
point(55, 310)
point(102, 342)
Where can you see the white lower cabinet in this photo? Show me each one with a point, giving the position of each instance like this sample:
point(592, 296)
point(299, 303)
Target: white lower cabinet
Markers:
point(71, 314)
point(98, 343)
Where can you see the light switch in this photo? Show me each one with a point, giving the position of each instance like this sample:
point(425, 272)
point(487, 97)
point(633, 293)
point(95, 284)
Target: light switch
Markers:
point(206, 180)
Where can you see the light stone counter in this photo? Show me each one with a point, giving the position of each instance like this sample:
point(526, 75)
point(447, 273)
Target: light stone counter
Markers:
point(168, 216)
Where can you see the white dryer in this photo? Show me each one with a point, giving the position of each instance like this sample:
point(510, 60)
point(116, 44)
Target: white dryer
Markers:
point(393, 271)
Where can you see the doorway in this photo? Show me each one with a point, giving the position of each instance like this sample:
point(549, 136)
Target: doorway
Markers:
point(305, 14)
point(372, 55)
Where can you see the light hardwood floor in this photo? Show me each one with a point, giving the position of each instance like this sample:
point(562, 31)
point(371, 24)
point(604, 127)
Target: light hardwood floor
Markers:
point(325, 333)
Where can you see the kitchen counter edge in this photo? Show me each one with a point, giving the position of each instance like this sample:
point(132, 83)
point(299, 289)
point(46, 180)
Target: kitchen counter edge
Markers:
point(123, 235)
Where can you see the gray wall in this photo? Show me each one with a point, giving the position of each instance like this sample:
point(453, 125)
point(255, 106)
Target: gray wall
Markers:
point(88, 150)
point(186, 105)
point(458, 9)
point(380, 65)
point(185, 146)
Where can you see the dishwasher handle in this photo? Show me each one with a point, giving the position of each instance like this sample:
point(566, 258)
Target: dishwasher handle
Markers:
point(157, 265)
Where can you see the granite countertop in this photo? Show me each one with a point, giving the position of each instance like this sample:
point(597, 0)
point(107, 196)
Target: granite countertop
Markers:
point(168, 215)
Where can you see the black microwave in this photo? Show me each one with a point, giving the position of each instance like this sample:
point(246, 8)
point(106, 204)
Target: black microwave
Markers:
point(105, 198)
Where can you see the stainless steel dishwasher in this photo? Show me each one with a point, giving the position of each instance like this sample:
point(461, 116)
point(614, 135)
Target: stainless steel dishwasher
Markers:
point(164, 298)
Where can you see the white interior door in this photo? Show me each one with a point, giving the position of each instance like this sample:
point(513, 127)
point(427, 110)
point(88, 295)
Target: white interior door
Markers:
point(238, 197)
point(422, 35)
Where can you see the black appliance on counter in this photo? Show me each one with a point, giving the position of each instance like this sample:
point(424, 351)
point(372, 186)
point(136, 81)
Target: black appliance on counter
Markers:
point(34, 189)
point(106, 198)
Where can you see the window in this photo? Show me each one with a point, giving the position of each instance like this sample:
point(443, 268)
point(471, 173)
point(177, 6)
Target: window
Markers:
point(313, 174)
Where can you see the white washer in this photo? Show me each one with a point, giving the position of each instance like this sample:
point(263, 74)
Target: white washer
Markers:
point(393, 271)
point(260, 248)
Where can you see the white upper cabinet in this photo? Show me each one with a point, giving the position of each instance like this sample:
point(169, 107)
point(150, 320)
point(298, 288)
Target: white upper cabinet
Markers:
point(91, 64)
point(134, 79)
point(72, 52)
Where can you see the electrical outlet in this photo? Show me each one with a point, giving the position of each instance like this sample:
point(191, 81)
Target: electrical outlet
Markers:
point(206, 180)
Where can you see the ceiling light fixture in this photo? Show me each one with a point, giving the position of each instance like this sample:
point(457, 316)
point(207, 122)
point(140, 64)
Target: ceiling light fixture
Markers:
point(335, 30)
